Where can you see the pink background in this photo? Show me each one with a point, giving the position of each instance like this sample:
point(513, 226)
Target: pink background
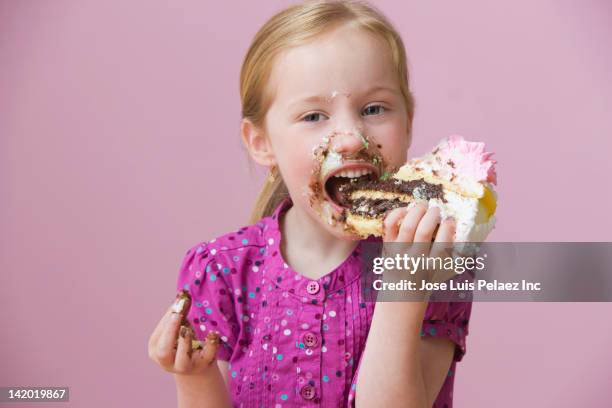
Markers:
point(119, 148)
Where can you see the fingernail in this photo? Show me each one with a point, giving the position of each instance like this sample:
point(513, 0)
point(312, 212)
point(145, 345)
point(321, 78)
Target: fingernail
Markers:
point(178, 306)
point(183, 331)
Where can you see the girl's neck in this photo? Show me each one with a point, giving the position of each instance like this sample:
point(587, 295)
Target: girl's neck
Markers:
point(305, 239)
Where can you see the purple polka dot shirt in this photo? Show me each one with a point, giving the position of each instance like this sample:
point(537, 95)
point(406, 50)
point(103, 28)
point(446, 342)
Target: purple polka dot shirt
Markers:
point(289, 340)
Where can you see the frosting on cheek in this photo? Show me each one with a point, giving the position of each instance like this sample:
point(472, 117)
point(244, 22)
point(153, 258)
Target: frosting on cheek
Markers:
point(324, 159)
point(327, 212)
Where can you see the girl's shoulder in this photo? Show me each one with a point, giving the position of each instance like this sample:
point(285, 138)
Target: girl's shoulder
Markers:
point(230, 250)
point(251, 241)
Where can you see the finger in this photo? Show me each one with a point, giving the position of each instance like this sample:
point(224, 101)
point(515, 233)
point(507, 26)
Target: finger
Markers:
point(181, 305)
point(182, 360)
point(443, 244)
point(443, 247)
point(410, 222)
point(435, 232)
point(208, 354)
point(391, 223)
point(427, 225)
point(159, 328)
point(446, 232)
point(425, 232)
point(165, 345)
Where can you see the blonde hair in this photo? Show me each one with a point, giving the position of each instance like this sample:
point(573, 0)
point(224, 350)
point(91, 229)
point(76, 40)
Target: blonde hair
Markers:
point(294, 26)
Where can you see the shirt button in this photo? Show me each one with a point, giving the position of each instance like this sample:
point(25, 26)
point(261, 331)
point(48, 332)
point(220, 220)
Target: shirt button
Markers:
point(310, 339)
point(313, 287)
point(308, 392)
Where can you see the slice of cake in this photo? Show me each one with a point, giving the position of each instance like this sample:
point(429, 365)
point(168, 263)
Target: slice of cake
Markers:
point(457, 176)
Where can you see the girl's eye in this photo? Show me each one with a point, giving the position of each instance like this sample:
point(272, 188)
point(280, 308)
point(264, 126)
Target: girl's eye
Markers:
point(312, 117)
point(374, 110)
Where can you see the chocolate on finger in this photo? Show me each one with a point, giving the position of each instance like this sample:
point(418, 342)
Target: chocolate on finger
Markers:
point(197, 345)
point(212, 338)
point(182, 303)
point(181, 306)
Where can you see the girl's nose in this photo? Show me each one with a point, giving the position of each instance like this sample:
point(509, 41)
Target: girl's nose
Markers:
point(348, 143)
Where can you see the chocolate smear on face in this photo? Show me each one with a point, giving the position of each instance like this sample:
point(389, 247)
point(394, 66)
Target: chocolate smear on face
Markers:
point(338, 188)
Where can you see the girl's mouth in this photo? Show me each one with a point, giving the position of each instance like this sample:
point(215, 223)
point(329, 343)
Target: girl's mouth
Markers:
point(339, 182)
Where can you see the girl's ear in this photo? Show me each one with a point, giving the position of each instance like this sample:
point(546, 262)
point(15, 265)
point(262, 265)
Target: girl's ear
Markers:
point(257, 143)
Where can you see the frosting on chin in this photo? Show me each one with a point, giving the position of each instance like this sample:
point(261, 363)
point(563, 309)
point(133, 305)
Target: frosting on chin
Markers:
point(469, 158)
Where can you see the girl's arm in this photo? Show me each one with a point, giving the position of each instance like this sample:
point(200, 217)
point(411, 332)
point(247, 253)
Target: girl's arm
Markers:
point(203, 391)
point(201, 379)
point(398, 368)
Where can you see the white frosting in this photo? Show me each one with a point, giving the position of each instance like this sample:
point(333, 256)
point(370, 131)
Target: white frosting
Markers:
point(178, 305)
point(472, 224)
point(332, 161)
point(432, 164)
point(328, 213)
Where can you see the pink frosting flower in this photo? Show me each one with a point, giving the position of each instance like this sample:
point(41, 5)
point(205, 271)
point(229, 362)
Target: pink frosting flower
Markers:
point(469, 158)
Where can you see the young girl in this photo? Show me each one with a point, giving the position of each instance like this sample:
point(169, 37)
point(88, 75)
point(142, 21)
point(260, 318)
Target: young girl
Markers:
point(325, 97)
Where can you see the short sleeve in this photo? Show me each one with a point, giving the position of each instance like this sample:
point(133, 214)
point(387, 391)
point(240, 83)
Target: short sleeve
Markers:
point(212, 307)
point(450, 320)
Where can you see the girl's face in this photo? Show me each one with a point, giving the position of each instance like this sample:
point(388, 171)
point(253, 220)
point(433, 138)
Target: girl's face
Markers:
point(337, 109)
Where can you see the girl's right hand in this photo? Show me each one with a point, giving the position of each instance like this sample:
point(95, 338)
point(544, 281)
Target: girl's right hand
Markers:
point(183, 359)
point(420, 232)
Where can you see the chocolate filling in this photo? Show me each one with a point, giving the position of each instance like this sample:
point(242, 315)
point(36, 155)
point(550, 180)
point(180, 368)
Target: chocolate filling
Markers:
point(423, 189)
point(419, 189)
point(374, 207)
